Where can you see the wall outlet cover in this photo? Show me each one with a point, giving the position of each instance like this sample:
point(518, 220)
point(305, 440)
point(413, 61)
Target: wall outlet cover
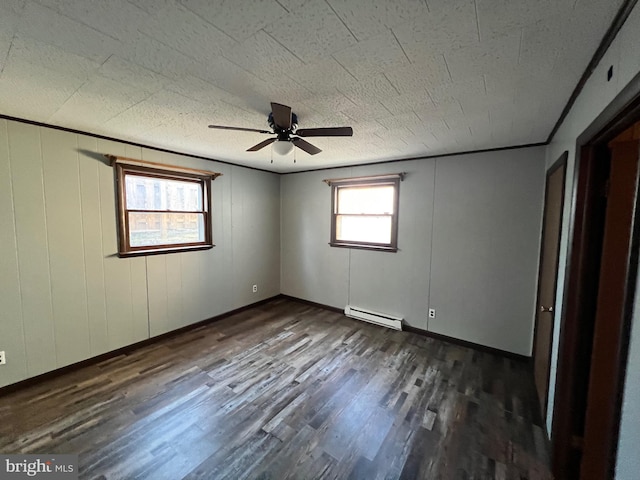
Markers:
point(255, 288)
point(3, 358)
point(432, 313)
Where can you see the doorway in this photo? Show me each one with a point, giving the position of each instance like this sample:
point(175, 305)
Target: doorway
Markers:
point(547, 278)
point(598, 302)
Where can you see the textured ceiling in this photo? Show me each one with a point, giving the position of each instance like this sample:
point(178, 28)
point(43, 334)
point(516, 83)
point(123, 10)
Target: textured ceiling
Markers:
point(412, 77)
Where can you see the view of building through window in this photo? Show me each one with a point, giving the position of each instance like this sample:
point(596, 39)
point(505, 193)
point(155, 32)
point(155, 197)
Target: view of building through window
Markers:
point(164, 211)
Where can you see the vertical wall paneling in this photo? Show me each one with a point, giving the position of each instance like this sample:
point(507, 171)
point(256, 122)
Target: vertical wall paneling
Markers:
point(486, 226)
point(254, 236)
point(132, 151)
point(175, 315)
point(33, 252)
point(239, 251)
point(11, 319)
point(311, 269)
point(398, 283)
point(157, 291)
point(174, 291)
point(220, 269)
point(201, 288)
point(190, 287)
point(117, 272)
point(66, 247)
point(468, 246)
point(139, 278)
point(138, 275)
point(65, 293)
point(157, 275)
point(89, 164)
point(139, 311)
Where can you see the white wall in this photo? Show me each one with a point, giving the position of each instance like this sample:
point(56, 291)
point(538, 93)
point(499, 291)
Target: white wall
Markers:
point(624, 56)
point(468, 238)
point(65, 294)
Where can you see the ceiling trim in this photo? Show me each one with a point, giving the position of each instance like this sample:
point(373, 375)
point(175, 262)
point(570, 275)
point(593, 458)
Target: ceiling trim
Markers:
point(607, 40)
point(128, 142)
point(426, 157)
point(165, 150)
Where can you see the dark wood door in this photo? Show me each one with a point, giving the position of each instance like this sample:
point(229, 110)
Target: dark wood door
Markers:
point(547, 278)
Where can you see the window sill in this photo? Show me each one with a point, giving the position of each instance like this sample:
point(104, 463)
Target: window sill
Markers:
point(379, 248)
point(160, 251)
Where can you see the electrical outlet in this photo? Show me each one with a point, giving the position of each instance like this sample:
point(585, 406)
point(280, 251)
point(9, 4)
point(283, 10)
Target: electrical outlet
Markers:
point(432, 313)
point(3, 358)
point(255, 289)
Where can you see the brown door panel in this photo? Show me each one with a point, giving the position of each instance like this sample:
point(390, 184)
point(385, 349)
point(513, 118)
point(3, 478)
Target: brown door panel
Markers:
point(547, 278)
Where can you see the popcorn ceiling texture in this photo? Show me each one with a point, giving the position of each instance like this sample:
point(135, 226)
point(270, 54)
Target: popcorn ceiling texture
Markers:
point(413, 78)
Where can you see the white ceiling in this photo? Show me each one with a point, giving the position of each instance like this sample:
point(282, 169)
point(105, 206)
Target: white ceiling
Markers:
point(412, 77)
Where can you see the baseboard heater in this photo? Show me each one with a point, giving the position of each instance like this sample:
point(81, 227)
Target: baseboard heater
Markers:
point(373, 317)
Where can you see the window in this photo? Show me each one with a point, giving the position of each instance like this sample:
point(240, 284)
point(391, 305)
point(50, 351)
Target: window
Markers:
point(364, 212)
point(162, 211)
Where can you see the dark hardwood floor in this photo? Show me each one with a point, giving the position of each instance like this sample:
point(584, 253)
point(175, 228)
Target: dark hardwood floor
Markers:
point(287, 391)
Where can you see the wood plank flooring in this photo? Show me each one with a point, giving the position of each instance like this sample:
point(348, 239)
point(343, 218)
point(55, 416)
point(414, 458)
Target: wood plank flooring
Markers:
point(288, 391)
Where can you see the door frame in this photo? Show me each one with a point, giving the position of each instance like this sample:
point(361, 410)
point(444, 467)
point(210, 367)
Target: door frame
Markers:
point(619, 115)
point(559, 163)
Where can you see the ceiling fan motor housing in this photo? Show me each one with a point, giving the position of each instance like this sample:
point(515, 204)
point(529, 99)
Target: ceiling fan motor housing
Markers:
point(276, 129)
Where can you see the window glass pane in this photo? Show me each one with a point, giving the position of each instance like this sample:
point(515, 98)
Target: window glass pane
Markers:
point(149, 229)
point(374, 229)
point(151, 193)
point(368, 200)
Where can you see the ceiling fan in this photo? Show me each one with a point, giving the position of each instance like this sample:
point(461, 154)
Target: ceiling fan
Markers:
point(284, 124)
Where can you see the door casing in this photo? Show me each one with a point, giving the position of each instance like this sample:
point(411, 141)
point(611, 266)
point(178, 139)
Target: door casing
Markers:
point(583, 263)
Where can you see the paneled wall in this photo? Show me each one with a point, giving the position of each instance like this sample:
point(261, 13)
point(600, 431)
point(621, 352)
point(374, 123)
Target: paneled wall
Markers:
point(486, 242)
point(469, 234)
point(65, 294)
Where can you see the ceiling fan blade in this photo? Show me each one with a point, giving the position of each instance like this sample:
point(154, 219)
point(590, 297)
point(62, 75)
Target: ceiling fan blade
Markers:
point(262, 144)
point(281, 115)
point(325, 132)
point(240, 129)
point(306, 146)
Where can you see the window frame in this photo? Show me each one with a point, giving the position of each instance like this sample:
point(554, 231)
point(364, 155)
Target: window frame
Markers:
point(360, 182)
point(124, 247)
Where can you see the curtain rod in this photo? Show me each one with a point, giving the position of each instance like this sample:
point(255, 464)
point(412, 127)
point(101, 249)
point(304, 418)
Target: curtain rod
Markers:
point(113, 159)
point(389, 176)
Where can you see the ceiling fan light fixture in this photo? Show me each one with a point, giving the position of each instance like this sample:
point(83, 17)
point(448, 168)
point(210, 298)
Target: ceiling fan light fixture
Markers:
point(283, 147)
